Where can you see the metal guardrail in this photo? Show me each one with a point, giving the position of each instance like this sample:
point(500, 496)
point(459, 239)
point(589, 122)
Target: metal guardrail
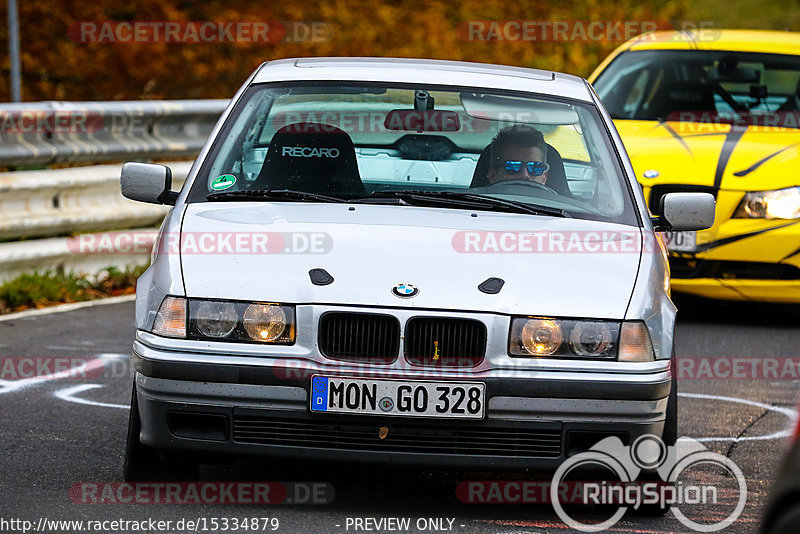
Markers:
point(61, 202)
point(79, 199)
point(55, 132)
point(39, 209)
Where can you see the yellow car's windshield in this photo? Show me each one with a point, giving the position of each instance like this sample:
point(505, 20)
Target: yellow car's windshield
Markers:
point(696, 85)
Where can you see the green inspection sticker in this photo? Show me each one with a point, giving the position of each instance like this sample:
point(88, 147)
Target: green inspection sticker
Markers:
point(223, 182)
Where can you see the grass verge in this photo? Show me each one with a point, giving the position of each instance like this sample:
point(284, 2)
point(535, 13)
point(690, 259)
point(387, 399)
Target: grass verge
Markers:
point(51, 287)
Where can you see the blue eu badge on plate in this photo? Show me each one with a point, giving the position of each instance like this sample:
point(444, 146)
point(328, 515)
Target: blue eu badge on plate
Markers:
point(319, 393)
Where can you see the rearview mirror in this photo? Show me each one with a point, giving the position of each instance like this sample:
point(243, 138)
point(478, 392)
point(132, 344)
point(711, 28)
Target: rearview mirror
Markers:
point(147, 182)
point(685, 211)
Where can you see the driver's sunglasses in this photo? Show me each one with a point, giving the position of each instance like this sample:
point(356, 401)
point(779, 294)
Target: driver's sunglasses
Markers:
point(535, 168)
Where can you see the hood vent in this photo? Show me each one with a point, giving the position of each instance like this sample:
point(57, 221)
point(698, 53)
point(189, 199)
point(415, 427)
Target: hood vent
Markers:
point(491, 286)
point(320, 277)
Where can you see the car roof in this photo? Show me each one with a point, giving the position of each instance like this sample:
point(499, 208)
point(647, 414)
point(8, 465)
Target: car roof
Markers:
point(772, 42)
point(424, 71)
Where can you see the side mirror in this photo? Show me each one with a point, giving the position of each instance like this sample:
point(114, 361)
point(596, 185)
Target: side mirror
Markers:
point(147, 182)
point(685, 211)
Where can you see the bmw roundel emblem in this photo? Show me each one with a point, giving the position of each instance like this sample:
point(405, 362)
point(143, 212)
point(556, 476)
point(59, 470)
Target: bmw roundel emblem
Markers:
point(405, 291)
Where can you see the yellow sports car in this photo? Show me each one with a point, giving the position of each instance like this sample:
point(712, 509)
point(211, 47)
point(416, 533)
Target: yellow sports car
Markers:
point(717, 111)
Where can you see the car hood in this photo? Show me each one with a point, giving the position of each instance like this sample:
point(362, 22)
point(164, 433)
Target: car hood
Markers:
point(369, 249)
point(719, 156)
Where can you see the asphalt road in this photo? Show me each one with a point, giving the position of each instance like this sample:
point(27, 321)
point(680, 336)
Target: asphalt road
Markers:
point(59, 432)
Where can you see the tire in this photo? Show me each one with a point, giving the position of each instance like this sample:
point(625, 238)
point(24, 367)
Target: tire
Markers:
point(670, 437)
point(143, 463)
point(670, 434)
point(787, 521)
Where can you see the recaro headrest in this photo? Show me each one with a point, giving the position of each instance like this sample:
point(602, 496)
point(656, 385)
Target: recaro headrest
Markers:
point(311, 157)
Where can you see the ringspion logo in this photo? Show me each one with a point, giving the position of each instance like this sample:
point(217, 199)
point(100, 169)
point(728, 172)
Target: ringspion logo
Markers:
point(648, 453)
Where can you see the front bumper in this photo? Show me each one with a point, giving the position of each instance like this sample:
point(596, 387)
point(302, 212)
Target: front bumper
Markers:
point(534, 418)
point(775, 291)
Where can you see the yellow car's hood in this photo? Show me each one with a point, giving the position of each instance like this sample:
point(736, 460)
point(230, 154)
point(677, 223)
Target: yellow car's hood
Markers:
point(720, 156)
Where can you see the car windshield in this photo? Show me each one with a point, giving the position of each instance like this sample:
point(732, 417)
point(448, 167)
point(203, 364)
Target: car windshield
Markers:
point(417, 145)
point(745, 88)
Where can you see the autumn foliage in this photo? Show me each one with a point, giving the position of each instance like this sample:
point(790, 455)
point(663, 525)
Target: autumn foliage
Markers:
point(58, 65)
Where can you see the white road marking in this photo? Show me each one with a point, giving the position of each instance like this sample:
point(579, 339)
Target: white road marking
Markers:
point(7, 386)
point(788, 412)
point(66, 307)
point(68, 394)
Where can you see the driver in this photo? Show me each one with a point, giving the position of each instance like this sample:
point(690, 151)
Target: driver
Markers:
point(518, 153)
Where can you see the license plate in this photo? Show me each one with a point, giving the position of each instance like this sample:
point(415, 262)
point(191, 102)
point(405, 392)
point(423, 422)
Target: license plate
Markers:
point(409, 398)
point(681, 241)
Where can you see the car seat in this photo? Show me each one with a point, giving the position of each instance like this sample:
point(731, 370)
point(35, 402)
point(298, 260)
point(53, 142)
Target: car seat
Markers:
point(311, 157)
point(673, 98)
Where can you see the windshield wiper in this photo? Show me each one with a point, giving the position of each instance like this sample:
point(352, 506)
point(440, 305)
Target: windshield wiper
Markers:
point(272, 194)
point(470, 200)
point(536, 209)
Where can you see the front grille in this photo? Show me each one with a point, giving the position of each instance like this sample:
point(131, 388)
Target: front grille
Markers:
point(360, 337)
point(404, 437)
point(731, 270)
point(445, 342)
point(659, 191)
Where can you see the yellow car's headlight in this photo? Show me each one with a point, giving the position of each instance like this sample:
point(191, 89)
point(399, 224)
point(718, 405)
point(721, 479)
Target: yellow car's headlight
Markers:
point(777, 204)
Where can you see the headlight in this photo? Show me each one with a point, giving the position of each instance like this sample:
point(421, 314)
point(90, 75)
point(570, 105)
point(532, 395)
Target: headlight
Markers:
point(587, 339)
point(216, 320)
point(541, 337)
point(265, 322)
point(778, 204)
point(592, 339)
